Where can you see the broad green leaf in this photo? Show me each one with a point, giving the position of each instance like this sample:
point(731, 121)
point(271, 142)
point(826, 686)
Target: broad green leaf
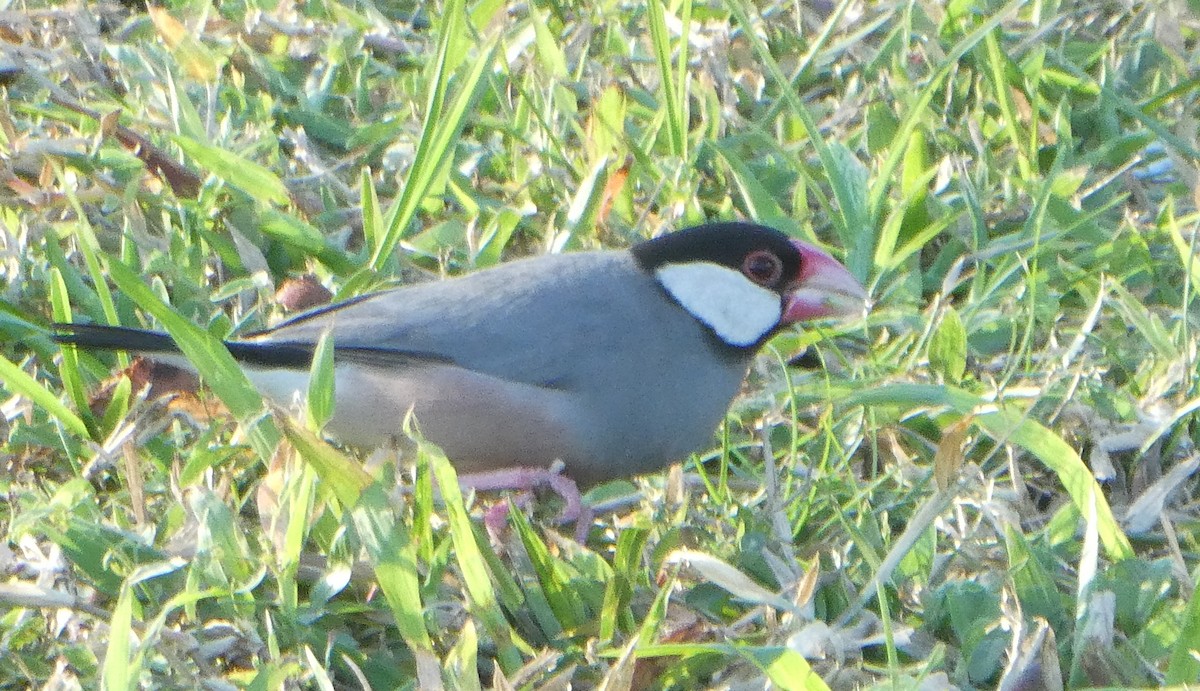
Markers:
point(1034, 585)
point(343, 475)
point(301, 236)
point(786, 668)
point(948, 347)
point(1184, 667)
point(254, 180)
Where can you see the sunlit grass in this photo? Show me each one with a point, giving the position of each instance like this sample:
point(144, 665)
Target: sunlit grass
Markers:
point(986, 481)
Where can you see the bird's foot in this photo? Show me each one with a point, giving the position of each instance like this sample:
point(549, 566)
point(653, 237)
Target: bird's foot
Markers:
point(526, 479)
point(495, 517)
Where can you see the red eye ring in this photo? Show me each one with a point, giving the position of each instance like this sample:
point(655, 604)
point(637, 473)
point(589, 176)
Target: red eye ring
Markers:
point(762, 267)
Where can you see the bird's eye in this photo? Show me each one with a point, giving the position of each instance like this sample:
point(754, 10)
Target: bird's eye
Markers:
point(762, 267)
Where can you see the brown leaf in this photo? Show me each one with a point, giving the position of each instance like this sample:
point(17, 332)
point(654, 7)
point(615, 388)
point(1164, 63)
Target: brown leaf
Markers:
point(305, 292)
point(184, 183)
point(110, 122)
point(613, 187)
point(191, 53)
point(949, 457)
point(267, 499)
point(30, 194)
point(172, 31)
point(162, 379)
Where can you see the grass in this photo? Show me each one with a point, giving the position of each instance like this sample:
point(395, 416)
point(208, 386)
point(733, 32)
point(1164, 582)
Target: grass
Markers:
point(987, 481)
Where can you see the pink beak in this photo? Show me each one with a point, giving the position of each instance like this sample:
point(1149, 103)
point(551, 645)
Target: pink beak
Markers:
point(824, 289)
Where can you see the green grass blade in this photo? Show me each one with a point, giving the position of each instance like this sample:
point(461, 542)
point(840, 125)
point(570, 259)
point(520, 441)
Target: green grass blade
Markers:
point(120, 674)
point(615, 614)
point(17, 381)
point(461, 667)
point(393, 556)
point(319, 401)
point(69, 371)
point(441, 129)
point(470, 560)
point(674, 81)
point(372, 220)
point(565, 610)
point(89, 247)
point(760, 204)
point(998, 65)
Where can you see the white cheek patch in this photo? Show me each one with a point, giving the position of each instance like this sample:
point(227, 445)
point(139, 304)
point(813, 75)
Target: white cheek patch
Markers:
point(737, 309)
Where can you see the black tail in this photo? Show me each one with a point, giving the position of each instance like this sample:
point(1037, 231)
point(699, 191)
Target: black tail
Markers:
point(102, 337)
point(286, 354)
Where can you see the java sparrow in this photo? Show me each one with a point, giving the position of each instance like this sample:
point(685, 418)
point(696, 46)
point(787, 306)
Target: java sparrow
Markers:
point(613, 363)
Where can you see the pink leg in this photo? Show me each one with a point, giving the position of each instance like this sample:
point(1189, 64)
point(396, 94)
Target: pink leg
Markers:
point(583, 522)
point(495, 517)
point(526, 479)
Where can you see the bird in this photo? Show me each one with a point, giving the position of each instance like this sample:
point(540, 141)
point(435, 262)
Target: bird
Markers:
point(598, 364)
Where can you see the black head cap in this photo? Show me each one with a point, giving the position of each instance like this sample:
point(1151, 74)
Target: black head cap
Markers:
point(727, 243)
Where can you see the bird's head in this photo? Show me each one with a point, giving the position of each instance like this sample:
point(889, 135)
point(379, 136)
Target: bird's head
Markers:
point(745, 281)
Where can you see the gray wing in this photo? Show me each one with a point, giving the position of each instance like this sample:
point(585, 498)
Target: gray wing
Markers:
point(528, 321)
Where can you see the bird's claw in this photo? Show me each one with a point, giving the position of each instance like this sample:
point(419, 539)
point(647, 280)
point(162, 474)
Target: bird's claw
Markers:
point(526, 479)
